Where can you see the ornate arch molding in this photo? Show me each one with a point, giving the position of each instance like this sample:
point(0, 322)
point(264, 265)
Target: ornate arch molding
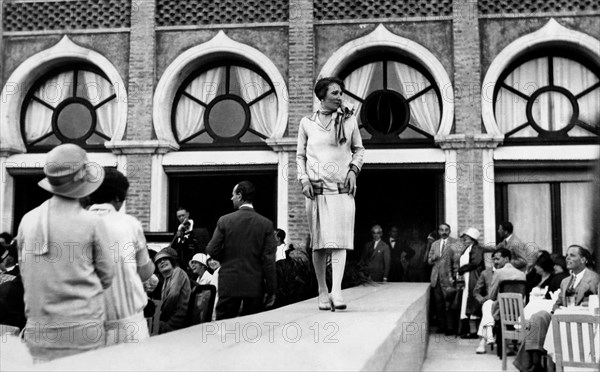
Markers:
point(28, 72)
point(552, 33)
point(382, 37)
point(177, 71)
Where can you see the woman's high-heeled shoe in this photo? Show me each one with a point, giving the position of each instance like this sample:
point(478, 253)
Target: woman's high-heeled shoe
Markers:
point(337, 306)
point(324, 305)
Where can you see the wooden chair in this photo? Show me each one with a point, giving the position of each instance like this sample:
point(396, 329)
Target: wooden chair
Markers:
point(588, 354)
point(509, 286)
point(154, 320)
point(202, 302)
point(512, 322)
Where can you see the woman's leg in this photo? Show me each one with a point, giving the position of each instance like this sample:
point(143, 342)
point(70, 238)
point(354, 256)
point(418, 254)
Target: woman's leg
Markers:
point(338, 264)
point(319, 258)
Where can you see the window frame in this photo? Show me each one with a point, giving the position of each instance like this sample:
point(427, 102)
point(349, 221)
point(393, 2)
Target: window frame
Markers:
point(546, 137)
point(222, 143)
point(29, 97)
point(391, 140)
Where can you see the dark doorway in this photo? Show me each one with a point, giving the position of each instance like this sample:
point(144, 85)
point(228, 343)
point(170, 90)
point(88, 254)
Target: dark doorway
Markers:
point(28, 195)
point(411, 200)
point(207, 195)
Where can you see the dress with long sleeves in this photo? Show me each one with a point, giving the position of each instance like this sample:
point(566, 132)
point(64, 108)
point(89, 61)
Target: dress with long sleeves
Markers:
point(324, 163)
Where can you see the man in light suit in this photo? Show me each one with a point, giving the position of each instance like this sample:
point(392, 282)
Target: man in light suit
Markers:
point(244, 244)
point(376, 255)
point(523, 255)
point(582, 283)
point(439, 258)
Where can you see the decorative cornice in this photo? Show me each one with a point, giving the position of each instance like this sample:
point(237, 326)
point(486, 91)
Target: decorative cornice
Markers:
point(468, 141)
point(141, 147)
point(287, 144)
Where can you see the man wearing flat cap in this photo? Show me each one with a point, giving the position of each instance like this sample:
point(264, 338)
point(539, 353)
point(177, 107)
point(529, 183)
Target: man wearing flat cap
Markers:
point(65, 260)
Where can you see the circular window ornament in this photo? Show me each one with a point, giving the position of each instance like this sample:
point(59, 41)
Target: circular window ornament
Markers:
point(385, 113)
point(543, 114)
point(227, 118)
point(74, 120)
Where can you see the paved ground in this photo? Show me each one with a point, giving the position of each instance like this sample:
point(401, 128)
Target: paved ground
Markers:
point(446, 353)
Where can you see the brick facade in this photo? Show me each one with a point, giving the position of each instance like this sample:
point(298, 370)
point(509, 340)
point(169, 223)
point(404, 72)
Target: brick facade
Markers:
point(142, 57)
point(301, 66)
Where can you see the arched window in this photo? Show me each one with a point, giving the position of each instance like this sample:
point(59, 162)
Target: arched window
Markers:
point(74, 104)
point(552, 95)
point(224, 104)
point(396, 100)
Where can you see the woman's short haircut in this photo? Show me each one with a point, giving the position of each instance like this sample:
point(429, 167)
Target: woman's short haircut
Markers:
point(546, 263)
point(114, 186)
point(324, 83)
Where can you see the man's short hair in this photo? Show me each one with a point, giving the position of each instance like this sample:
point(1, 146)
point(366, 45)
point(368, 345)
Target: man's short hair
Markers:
point(444, 224)
point(181, 208)
point(503, 253)
point(113, 187)
point(376, 227)
point(247, 190)
point(323, 84)
point(507, 226)
point(583, 252)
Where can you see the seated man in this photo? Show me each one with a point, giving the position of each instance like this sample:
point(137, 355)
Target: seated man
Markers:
point(504, 270)
point(575, 289)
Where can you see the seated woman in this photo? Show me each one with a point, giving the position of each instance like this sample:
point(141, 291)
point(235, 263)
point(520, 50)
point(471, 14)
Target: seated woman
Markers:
point(175, 291)
point(544, 266)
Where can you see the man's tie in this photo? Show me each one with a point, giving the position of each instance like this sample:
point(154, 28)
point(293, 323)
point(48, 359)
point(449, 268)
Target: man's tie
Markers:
point(442, 246)
point(571, 283)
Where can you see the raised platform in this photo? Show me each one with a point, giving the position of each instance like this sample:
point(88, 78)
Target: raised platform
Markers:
point(385, 328)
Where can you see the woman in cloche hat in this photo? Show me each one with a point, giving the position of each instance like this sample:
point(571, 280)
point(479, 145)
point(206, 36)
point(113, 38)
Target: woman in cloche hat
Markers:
point(176, 291)
point(65, 260)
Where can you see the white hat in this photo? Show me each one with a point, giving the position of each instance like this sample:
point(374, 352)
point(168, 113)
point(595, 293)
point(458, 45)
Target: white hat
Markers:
point(69, 174)
point(471, 232)
point(200, 257)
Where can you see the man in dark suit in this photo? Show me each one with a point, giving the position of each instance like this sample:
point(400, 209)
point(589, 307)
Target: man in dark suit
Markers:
point(441, 277)
point(188, 239)
point(376, 255)
point(396, 271)
point(244, 244)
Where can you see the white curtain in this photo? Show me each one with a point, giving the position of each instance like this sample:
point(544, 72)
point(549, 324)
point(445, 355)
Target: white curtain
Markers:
point(38, 118)
point(527, 78)
point(264, 112)
point(96, 89)
point(576, 213)
point(424, 110)
point(576, 78)
point(552, 110)
point(529, 211)
point(358, 83)
point(190, 115)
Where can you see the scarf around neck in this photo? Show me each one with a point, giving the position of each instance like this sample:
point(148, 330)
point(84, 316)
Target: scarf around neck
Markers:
point(338, 118)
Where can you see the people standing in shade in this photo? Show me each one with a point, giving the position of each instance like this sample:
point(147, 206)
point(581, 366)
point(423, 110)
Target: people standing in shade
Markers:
point(470, 267)
point(175, 294)
point(189, 239)
point(12, 307)
point(523, 255)
point(441, 277)
point(244, 244)
point(281, 246)
point(376, 256)
point(65, 260)
point(125, 298)
point(396, 271)
point(329, 158)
